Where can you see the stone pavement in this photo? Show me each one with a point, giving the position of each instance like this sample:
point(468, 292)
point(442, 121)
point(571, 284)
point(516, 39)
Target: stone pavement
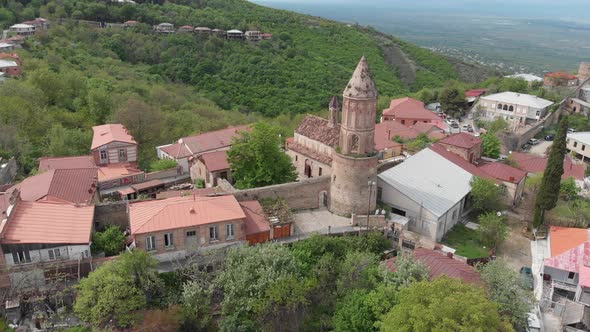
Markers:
point(320, 221)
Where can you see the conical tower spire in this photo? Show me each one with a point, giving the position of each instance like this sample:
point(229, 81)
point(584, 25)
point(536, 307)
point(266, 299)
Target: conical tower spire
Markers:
point(361, 85)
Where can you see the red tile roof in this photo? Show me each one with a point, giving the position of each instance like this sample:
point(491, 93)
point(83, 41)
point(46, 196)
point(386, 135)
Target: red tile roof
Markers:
point(182, 212)
point(176, 150)
point(49, 223)
point(440, 265)
point(215, 161)
point(48, 163)
point(475, 92)
point(189, 192)
point(461, 140)
point(116, 171)
point(561, 75)
point(255, 218)
point(109, 133)
point(62, 185)
point(503, 172)
point(299, 148)
point(393, 128)
point(536, 164)
point(459, 161)
point(147, 185)
point(212, 140)
point(409, 108)
point(318, 129)
point(563, 239)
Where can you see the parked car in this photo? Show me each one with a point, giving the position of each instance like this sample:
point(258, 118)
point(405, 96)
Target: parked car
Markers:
point(525, 147)
point(533, 141)
point(550, 137)
point(454, 125)
point(571, 130)
point(465, 126)
point(502, 157)
point(470, 129)
point(526, 275)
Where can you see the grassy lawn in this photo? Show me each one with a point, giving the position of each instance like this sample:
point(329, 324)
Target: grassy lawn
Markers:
point(464, 240)
point(572, 213)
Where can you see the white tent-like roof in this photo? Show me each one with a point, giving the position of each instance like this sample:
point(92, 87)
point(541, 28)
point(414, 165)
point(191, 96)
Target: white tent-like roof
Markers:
point(431, 180)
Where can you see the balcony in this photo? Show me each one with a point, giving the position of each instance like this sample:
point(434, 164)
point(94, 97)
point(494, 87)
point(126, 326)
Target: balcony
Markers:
point(564, 285)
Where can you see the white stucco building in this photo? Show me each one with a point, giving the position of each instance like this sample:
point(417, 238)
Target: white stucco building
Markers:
point(518, 109)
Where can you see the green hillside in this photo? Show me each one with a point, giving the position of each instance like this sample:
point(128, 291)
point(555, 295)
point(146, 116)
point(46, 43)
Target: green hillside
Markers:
point(77, 76)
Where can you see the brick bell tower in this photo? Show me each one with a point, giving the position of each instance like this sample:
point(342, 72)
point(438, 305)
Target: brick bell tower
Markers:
point(354, 161)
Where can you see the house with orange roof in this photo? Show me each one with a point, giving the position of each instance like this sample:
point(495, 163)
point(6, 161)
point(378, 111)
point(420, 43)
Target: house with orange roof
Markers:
point(210, 167)
point(560, 78)
point(174, 228)
point(409, 111)
point(39, 237)
point(566, 272)
point(112, 144)
point(187, 149)
point(465, 145)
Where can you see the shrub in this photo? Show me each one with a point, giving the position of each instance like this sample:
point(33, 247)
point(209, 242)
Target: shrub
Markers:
point(111, 241)
point(162, 164)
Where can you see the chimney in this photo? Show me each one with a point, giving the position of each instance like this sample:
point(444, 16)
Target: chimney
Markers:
point(511, 179)
point(192, 210)
point(334, 112)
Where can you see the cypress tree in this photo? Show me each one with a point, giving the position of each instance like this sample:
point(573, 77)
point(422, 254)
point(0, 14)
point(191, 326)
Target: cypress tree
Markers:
point(549, 189)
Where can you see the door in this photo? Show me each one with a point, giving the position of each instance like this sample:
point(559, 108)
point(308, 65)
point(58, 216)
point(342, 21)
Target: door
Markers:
point(307, 168)
point(190, 241)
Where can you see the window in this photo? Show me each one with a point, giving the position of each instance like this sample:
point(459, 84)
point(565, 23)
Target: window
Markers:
point(575, 144)
point(320, 172)
point(150, 243)
point(21, 257)
point(538, 113)
point(583, 147)
point(454, 214)
point(511, 108)
point(213, 236)
point(54, 254)
point(122, 154)
point(295, 157)
point(229, 231)
point(354, 143)
point(499, 106)
point(379, 193)
point(505, 108)
point(398, 212)
point(103, 155)
point(191, 233)
point(169, 240)
point(571, 275)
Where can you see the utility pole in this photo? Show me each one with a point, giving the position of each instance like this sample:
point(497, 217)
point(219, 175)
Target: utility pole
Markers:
point(370, 184)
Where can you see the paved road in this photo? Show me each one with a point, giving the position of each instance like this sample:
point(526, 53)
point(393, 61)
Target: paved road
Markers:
point(541, 148)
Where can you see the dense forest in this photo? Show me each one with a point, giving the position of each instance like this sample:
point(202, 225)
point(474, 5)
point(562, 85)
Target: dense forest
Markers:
point(164, 87)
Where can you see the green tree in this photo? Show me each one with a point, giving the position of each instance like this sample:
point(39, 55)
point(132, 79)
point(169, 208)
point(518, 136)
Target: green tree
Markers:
point(486, 195)
point(162, 164)
point(407, 271)
point(196, 301)
point(492, 230)
point(444, 304)
point(111, 241)
point(353, 314)
point(420, 142)
point(505, 287)
point(568, 190)
point(490, 145)
point(452, 101)
point(359, 270)
point(257, 160)
point(498, 125)
point(549, 190)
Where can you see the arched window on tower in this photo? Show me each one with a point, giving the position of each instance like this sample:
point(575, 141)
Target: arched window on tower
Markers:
point(354, 144)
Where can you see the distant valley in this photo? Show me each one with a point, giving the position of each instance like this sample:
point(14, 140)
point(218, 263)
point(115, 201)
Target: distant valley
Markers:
point(510, 44)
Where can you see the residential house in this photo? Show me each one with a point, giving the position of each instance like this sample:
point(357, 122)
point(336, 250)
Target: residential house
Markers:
point(186, 28)
point(560, 79)
point(112, 144)
point(257, 228)
point(388, 133)
point(203, 31)
point(530, 78)
point(473, 95)
point(518, 109)
point(212, 166)
point(187, 149)
point(37, 240)
point(427, 189)
point(267, 36)
point(566, 272)
point(22, 29)
point(174, 228)
point(7, 47)
point(579, 144)
point(11, 64)
point(39, 23)
point(533, 164)
point(253, 35)
point(130, 24)
point(235, 34)
point(76, 162)
point(409, 112)
point(165, 28)
point(218, 32)
point(439, 264)
point(77, 186)
point(465, 145)
point(16, 40)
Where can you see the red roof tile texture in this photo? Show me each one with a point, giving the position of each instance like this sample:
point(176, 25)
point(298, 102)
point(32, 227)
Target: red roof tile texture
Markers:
point(440, 265)
point(177, 150)
point(299, 148)
point(108, 133)
point(255, 218)
point(561, 75)
point(318, 129)
point(34, 222)
point(503, 172)
point(475, 92)
point(459, 161)
point(461, 140)
point(563, 239)
point(536, 164)
point(215, 161)
point(61, 185)
point(212, 140)
point(49, 163)
point(182, 212)
point(409, 108)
